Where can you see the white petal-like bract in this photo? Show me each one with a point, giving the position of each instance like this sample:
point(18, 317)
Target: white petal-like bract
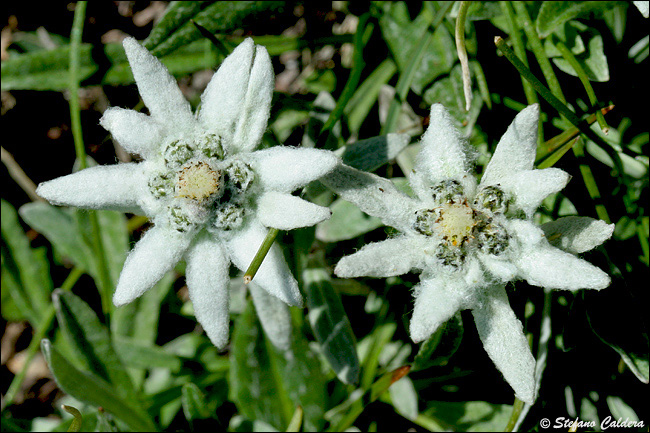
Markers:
point(207, 280)
point(153, 256)
point(273, 275)
point(113, 187)
point(516, 149)
point(287, 212)
point(504, 341)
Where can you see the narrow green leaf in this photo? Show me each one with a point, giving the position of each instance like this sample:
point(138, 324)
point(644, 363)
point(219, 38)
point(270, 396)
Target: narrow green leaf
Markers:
point(24, 269)
point(371, 153)
point(48, 69)
point(347, 222)
point(296, 421)
point(218, 17)
point(434, 58)
point(343, 416)
point(90, 341)
point(555, 13)
point(136, 353)
point(177, 14)
point(94, 390)
point(331, 325)
point(469, 416)
point(139, 319)
point(77, 421)
point(194, 404)
point(554, 157)
point(370, 359)
point(441, 345)
point(60, 228)
point(267, 385)
point(404, 398)
point(366, 95)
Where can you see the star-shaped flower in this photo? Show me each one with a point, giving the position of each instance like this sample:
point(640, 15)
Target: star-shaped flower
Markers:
point(468, 240)
point(208, 193)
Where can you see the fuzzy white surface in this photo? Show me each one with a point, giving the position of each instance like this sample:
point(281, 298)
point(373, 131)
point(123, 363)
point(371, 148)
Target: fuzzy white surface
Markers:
point(113, 187)
point(286, 169)
point(442, 154)
point(436, 300)
point(516, 149)
point(273, 275)
point(152, 257)
point(135, 132)
point(388, 258)
point(576, 235)
point(504, 341)
point(374, 195)
point(530, 187)
point(158, 88)
point(274, 316)
point(543, 265)
point(207, 280)
point(237, 101)
point(287, 212)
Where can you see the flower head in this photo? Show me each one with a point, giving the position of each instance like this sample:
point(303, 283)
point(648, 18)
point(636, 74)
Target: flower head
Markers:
point(208, 193)
point(468, 239)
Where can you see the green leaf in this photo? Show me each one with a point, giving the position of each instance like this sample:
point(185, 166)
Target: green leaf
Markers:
point(449, 92)
point(401, 33)
point(139, 319)
point(135, 353)
point(331, 325)
point(176, 15)
point(616, 318)
point(441, 345)
point(590, 54)
point(95, 391)
point(60, 228)
point(552, 14)
point(25, 270)
point(296, 421)
point(343, 416)
point(194, 404)
point(366, 95)
point(267, 385)
point(469, 416)
point(620, 409)
point(372, 153)
point(347, 222)
point(48, 69)
point(404, 398)
point(90, 341)
point(218, 17)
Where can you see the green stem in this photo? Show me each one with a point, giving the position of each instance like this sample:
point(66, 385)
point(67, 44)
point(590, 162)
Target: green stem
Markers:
point(73, 84)
point(537, 85)
point(590, 182)
point(538, 50)
point(582, 75)
point(261, 253)
point(404, 82)
point(519, 48)
point(364, 31)
point(77, 134)
point(35, 344)
point(462, 52)
point(516, 411)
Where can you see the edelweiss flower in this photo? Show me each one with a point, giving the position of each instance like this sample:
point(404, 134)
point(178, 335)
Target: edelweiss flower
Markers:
point(468, 240)
point(208, 194)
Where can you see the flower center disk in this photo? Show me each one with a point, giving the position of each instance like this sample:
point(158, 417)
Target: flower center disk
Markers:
point(198, 181)
point(456, 222)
